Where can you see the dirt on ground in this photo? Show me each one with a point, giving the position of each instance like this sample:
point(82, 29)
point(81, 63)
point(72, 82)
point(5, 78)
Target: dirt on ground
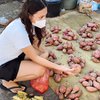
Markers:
point(75, 21)
point(71, 19)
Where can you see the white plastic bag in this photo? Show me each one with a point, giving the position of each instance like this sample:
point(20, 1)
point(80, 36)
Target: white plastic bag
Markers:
point(85, 6)
point(84, 1)
point(3, 20)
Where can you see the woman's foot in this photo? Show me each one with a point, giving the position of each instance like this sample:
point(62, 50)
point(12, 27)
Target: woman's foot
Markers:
point(12, 86)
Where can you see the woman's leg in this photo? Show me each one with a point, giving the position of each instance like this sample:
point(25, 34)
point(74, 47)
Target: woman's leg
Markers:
point(36, 68)
point(28, 70)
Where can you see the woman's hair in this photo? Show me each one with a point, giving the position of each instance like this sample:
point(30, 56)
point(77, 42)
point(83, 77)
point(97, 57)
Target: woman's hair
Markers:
point(31, 7)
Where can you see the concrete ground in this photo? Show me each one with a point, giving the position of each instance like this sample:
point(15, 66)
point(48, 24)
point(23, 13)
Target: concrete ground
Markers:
point(48, 95)
point(11, 10)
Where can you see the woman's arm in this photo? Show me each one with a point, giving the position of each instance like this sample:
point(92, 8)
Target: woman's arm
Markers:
point(39, 53)
point(40, 48)
point(30, 52)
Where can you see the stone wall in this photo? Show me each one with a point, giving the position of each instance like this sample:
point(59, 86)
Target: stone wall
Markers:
point(5, 1)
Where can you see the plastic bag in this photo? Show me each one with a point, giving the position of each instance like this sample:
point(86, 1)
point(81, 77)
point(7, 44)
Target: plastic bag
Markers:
point(41, 84)
point(94, 6)
point(3, 21)
point(84, 1)
point(85, 6)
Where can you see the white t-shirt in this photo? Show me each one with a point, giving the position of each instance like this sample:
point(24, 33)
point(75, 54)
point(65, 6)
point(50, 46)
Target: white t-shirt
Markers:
point(12, 40)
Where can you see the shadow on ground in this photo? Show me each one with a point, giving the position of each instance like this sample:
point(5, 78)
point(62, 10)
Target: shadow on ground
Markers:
point(48, 95)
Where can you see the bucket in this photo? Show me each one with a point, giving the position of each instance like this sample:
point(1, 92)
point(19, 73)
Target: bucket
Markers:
point(69, 4)
point(54, 8)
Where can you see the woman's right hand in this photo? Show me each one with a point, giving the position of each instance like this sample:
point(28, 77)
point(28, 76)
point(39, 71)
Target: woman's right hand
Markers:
point(70, 71)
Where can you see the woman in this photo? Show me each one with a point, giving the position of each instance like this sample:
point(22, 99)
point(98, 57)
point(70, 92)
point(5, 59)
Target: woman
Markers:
point(16, 42)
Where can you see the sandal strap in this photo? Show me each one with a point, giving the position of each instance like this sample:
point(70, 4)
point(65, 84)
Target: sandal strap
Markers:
point(9, 89)
point(14, 87)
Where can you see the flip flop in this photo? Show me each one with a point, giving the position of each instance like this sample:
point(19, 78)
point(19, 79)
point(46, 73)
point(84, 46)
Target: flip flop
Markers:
point(21, 85)
point(9, 89)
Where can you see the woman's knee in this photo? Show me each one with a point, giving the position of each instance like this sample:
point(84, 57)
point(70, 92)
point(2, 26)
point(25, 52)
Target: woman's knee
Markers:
point(42, 71)
point(34, 70)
